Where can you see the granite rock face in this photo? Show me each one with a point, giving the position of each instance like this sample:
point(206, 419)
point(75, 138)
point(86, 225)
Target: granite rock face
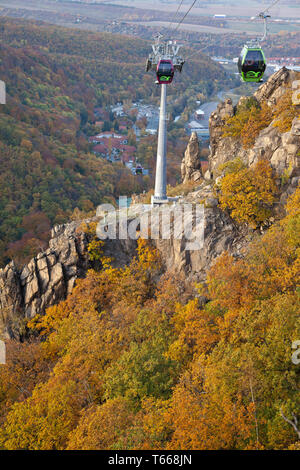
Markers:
point(222, 149)
point(45, 280)
point(281, 149)
point(191, 163)
point(220, 234)
point(50, 276)
point(274, 88)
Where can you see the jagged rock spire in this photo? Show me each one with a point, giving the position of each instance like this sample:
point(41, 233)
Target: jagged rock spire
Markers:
point(191, 164)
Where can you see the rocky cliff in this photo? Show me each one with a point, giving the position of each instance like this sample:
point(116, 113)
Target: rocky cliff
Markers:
point(50, 276)
point(220, 234)
point(281, 149)
point(45, 280)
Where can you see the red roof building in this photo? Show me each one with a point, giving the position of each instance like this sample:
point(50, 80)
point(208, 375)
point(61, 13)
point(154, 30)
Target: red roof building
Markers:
point(128, 148)
point(100, 149)
point(127, 157)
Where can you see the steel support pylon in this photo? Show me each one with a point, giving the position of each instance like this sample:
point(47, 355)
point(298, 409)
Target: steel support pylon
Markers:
point(160, 193)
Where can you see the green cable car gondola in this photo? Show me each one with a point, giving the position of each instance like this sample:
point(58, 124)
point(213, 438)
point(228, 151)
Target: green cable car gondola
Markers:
point(252, 63)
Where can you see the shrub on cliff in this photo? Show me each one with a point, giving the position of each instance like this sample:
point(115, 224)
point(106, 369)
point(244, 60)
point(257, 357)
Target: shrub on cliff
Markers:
point(249, 193)
point(285, 112)
point(249, 120)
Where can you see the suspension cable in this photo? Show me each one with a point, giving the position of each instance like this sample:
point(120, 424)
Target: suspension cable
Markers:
point(207, 47)
point(197, 52)
point(271, 6)
point(175, 15)
point(264, 16)
point(181, 21)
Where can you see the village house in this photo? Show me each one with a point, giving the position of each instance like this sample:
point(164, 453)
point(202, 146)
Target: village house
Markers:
point(108, 135)
point(199, 114)
point(113, 148)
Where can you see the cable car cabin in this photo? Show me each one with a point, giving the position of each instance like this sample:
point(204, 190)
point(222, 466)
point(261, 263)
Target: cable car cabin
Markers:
point(165, 71)
point(138, 170)
point(252, 64)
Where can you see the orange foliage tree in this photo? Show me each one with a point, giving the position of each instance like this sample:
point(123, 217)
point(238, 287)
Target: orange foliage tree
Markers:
point(249, 193)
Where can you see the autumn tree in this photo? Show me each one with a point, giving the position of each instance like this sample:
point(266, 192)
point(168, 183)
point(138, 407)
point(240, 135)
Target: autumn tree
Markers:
point(249, 194)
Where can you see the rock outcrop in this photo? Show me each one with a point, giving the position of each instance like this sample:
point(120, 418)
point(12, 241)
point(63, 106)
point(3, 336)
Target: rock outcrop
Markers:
point(191, 163)
point(281, 149)
point(274, 88)
point(50, 276)
point(221, 148)
point(220, 234)
point(45, 280)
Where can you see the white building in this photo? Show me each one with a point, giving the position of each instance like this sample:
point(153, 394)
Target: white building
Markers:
point(199, 114)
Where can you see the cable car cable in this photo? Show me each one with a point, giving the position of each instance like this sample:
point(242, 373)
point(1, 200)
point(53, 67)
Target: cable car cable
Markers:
point(186, 14)
point(209, 45)
point(175, 15)
point(271, 6)
point(197, 52)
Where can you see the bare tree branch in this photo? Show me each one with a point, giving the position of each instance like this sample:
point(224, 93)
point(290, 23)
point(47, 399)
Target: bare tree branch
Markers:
point(293, 423)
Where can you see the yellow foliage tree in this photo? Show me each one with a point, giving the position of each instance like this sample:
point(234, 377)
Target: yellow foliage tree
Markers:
point(285, 112)
point(249, 194)
point(249, 120)
point(104, 427)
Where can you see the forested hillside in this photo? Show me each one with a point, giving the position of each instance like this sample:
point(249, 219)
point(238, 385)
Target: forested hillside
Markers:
point(55, 77)
point(130, 362)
